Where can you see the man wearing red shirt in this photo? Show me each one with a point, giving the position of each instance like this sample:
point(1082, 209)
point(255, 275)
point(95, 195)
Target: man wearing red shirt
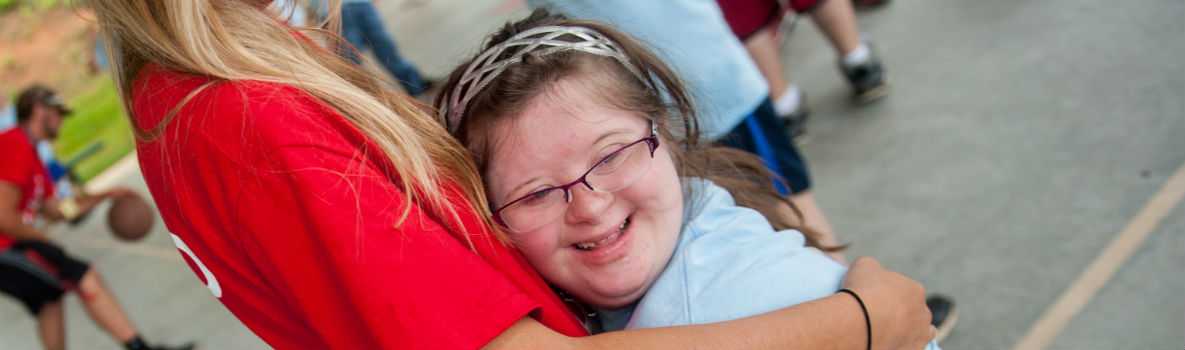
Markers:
point(32, 268)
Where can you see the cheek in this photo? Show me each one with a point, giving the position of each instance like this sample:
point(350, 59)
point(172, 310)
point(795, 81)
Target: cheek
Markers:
point(660, 190)
point(538, 246)
point(667, 178)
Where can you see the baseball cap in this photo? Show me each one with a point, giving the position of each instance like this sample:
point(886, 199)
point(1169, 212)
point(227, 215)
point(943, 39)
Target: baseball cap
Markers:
point(39, 94)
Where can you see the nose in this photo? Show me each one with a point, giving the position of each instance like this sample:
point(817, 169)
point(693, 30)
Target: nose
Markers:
point(587, 205)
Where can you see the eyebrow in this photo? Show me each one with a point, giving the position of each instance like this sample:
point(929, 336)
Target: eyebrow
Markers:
point(611, 133)
point(614, 132)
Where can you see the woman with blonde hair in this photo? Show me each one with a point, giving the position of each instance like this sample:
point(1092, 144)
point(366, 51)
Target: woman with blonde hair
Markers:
point(326, 211)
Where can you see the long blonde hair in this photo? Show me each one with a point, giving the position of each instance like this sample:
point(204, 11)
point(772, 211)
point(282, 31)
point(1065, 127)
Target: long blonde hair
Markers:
point(236, 40)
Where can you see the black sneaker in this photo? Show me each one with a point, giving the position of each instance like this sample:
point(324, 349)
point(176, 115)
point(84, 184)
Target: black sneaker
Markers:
point(944, 315)
point(867, 79)
point(186, 346)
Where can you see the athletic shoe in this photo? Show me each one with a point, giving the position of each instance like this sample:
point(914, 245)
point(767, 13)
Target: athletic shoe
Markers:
point(866, 79)
point(795, 122)
point(186, 346)
point(944, 315)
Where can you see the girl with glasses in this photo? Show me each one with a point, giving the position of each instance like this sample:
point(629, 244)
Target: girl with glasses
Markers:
point(589, 149)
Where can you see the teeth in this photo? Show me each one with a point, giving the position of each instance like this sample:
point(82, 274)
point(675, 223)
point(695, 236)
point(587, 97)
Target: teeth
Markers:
point(610, 238)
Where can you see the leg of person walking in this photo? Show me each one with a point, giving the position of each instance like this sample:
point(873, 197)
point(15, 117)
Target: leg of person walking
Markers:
point(837, 21)
point(861, 67)
point(755, 23)
point(102, 307)
point(812, 215)
point(763, 48)
point(51, 326)
point(788, 100)
point(39, 273)
point(384, 47)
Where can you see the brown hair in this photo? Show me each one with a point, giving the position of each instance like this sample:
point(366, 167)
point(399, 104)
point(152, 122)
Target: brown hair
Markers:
point(658, 94)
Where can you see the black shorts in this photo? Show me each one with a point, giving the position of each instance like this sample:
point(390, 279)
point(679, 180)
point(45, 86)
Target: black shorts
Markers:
point(38, 273)
point(762, 134)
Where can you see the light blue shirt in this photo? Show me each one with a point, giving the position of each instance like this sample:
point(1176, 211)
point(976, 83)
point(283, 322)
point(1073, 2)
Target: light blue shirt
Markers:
point(729, 264)
point(7, 117)
point(692, 37)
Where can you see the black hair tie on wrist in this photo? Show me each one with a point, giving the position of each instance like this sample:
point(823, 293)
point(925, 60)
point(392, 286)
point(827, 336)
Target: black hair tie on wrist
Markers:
point(867, 320)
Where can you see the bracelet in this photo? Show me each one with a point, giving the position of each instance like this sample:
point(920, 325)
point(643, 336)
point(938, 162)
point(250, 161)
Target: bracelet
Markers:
point(867, 320)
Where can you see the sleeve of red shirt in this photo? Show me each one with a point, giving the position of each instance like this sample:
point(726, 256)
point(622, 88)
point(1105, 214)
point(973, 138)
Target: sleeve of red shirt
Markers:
point(318, 216)
point(15, 170)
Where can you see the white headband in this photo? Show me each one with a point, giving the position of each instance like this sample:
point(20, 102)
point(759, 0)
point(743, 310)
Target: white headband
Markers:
point(486, 67)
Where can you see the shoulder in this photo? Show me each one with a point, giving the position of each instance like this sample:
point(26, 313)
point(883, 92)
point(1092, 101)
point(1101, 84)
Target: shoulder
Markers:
point(731, 263)
point(10, 138)
point(710, 212)
point(18, 153)
point(238, 117)
point(159, 92)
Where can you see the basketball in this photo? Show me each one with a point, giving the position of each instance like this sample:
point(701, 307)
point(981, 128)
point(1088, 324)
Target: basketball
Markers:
point(130, 218)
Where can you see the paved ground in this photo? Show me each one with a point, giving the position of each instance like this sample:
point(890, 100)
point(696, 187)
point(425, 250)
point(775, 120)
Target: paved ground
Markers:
point(1021, 137)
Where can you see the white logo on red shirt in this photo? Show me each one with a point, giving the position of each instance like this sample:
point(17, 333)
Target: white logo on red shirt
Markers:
point(211, 281)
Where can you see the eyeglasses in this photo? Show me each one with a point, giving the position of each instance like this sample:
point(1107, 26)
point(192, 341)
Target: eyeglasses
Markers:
point(612, 173)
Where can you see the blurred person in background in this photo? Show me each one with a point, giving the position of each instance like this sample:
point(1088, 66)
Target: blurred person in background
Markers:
point(33, 269)
point(326, 210)
point(755, 22)
point(362, 26)
point(45, 151)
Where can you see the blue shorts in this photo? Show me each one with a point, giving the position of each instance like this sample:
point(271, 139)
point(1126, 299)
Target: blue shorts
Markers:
point(762, 133)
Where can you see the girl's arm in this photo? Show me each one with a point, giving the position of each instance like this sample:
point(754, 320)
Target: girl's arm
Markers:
point(896, 304)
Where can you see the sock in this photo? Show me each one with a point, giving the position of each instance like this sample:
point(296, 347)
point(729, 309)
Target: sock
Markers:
point(136, 343)
point(789, 102)
point(858, 56)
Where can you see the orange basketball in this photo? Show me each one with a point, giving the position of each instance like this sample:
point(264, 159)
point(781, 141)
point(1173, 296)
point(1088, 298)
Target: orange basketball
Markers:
point(130, 217)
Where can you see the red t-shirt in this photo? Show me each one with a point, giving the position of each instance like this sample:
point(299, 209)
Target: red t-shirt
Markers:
point(287, 213)
point(22, 168)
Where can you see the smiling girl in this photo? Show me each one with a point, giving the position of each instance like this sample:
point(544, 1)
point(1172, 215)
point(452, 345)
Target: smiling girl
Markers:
point(588, 146)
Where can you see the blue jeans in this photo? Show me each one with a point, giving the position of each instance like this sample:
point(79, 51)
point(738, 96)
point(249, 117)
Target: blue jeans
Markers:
point(363, 28)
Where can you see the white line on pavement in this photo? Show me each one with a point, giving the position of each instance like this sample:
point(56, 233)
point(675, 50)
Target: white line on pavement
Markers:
point(1051, 323)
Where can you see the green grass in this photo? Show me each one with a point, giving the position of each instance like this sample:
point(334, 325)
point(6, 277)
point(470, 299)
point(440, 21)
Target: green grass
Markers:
point(98, 119)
